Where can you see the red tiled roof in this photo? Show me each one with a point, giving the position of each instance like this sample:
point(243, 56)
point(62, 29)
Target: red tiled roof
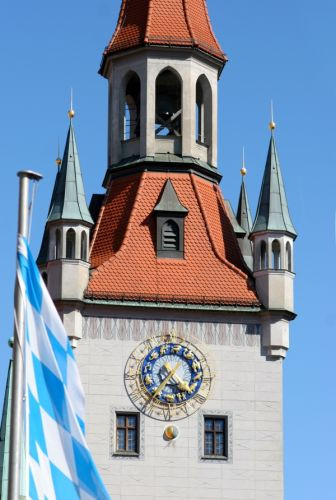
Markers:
point(183, 23)
point(123, 248)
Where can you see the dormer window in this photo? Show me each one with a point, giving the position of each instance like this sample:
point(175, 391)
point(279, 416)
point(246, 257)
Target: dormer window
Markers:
point(170, 236)
point(170, 215)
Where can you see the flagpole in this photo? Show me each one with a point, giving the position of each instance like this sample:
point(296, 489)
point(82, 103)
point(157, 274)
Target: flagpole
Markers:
point(18, 361)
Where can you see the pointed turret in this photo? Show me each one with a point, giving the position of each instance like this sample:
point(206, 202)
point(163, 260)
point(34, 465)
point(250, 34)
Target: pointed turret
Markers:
point(68, 201)
point(273, 235)
point(65, 246)
point(272, 212)
point(245, 221)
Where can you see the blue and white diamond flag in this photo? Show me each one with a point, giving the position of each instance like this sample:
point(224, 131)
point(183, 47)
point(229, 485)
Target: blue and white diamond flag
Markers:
point(60, 464)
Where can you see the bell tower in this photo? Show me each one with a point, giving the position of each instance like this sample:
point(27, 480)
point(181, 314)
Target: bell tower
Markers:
point(182, 323)
point(162, 84)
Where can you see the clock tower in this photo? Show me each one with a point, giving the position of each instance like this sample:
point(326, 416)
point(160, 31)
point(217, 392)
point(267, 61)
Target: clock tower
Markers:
point(180, 310)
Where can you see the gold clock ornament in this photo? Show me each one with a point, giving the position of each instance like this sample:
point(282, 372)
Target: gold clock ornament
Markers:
point(167, 378)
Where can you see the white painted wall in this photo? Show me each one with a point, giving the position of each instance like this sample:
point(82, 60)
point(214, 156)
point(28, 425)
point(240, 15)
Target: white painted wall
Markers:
point(247, 385)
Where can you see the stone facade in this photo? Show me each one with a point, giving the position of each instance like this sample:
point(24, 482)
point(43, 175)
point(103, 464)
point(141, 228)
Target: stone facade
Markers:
point(247, 388)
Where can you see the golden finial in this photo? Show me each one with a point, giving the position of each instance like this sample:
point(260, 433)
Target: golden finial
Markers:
point(272, 124)
point(58, 160)
point(71, 112)
point(243, 170)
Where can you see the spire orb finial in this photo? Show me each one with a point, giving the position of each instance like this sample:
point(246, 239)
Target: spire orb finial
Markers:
point(58, 161)
point(272, 124)
point(71, 112)
point(243, 170)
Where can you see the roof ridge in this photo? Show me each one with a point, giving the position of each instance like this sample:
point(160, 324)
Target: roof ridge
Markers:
point(100, 216)
point(74, 151)
point(185, 10)
point(134, 208)
point(207, 17)
point(239, 271)
point(149, 20)
point(215, 250)
point(117, 28)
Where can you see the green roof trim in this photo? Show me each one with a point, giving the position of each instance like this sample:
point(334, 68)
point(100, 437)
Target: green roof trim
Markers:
point(176, 305)
point(163, 160)
point(68, 200)
point(272, 212)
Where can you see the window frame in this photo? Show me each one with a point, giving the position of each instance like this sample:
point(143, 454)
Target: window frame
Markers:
point(127, 453)
point(225, 419)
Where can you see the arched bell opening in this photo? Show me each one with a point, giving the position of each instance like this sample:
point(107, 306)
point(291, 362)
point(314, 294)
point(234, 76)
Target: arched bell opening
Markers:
point(71, 244)
point(263, 264)
point(289, 257)
point(58, 244)
point(168, 105)
point(84, 245)
point(203, 123)
point(276, 261)
point(131, 107)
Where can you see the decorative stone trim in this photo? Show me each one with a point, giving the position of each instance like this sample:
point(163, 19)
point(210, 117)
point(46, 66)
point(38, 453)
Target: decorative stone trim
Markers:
point(213, 413)
point(126, 329)
point(113, 426)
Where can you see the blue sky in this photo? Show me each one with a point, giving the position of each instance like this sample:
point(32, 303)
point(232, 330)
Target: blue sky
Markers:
point(278, 50)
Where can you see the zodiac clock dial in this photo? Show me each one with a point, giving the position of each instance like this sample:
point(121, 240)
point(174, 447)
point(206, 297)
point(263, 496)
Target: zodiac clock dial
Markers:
point(167, 378)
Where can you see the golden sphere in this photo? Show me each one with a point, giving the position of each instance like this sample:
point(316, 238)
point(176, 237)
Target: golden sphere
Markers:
point(58, 161)
point(272, 125)
point(171, 432)
point(243, 171)
point(71, 113)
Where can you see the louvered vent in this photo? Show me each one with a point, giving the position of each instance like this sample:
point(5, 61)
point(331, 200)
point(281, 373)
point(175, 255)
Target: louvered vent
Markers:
point(170, 236)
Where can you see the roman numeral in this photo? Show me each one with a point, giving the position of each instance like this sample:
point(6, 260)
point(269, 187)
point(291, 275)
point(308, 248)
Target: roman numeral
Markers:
point(199, 399)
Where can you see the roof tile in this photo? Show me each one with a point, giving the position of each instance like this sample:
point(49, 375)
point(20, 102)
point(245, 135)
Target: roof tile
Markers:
point(123, 249)
point(183, 23)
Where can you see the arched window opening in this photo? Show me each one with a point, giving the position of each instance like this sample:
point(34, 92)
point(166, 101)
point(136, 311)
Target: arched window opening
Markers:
point(289, 257)
point(276, 254)
point(203, 111)
point(132, 108)
point(263, 255)
point(58, 247)
point(170, 236)
point(168, 114)
point(199, 113)
point(45, 278)
point(70, 244)
point(84, 246)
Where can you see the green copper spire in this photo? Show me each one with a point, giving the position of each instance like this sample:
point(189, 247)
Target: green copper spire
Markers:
point(68, 201)
point(245, 221)
point(243, 211)
point(272, 212)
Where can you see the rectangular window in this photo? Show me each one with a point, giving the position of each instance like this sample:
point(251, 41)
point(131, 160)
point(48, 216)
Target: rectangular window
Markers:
point(216, 437)
point(127, 439)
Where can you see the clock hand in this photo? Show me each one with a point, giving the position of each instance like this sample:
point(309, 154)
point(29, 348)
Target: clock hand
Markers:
point(166, 380)
point(183, 384)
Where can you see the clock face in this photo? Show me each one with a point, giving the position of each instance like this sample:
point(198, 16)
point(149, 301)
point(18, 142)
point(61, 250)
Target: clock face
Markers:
point(167, 378)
